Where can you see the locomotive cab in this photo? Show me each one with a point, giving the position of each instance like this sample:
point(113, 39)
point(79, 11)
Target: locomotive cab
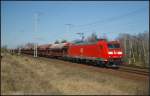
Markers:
point(114, 54)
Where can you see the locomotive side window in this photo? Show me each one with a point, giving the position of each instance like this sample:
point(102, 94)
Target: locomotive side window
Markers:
point(113, 46)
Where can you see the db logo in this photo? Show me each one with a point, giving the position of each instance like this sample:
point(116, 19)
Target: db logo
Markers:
point(81, 50)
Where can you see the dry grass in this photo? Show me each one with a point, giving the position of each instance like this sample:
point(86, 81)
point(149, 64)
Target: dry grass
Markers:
point(24, 75)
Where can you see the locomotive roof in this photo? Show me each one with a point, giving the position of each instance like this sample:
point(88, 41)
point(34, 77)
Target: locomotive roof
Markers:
point(87, 42)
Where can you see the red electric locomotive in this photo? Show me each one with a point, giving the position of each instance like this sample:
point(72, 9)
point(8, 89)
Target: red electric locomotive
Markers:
point(101, 53)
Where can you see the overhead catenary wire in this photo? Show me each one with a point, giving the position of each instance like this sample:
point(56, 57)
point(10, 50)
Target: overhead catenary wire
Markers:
point(109, 19)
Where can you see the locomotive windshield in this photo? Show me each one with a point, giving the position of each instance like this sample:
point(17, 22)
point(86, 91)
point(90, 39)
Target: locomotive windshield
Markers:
point(113, 46)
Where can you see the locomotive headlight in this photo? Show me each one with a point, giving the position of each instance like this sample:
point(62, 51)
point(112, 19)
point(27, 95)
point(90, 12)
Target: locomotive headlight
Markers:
point(119, 52)
point(110, 52)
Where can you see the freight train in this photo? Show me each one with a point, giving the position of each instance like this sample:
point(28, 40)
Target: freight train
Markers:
point(102, 52)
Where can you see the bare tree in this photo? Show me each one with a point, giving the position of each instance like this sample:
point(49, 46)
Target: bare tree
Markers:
point(136, 48)
point(29, 45)
point(92, 38)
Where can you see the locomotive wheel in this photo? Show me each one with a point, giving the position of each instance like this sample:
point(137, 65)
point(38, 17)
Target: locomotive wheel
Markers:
point(79, 60)
point(73, 60)
point(100, 63)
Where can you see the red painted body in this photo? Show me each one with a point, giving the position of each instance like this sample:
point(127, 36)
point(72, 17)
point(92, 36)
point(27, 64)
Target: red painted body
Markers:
point(97, 50)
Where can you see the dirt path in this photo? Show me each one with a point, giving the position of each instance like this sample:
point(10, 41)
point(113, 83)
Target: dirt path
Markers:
point(27, 75)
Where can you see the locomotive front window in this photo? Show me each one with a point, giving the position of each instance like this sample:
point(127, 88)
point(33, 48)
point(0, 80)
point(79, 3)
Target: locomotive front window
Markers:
point(113, 46)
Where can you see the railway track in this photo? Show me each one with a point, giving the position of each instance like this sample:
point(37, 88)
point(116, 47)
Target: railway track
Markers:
point(134, 70)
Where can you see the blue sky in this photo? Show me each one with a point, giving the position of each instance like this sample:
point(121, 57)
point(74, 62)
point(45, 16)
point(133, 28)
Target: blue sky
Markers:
point(101, 17)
